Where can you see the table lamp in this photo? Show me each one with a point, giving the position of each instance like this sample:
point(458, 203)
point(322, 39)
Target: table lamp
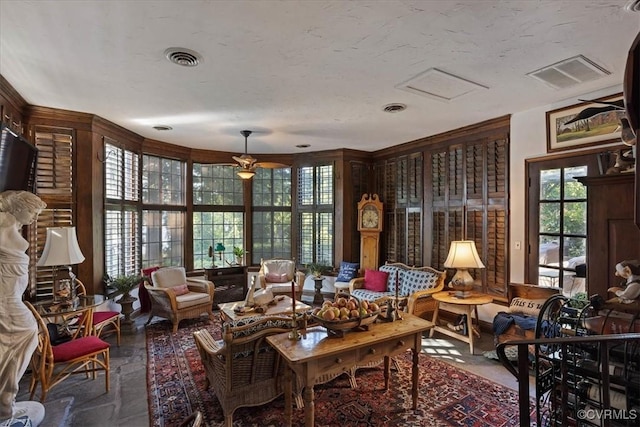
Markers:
point(462, 256)
point(220, 249)
point(61, 250)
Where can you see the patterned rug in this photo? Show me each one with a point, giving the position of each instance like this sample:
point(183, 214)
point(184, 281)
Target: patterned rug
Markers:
point(448, 396)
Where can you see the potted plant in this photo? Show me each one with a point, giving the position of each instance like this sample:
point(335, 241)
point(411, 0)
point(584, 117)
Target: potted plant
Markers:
point(316, 270)
point(123, 285)
point(238, 252)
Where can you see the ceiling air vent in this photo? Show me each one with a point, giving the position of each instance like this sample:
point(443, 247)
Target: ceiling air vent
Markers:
point(182, 56)
point(633, 6)
point(440, 85)
point(569, 72)
point(394, 108)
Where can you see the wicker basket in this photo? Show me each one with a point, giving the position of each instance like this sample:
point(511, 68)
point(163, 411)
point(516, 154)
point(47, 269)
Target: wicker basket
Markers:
point(339, 327)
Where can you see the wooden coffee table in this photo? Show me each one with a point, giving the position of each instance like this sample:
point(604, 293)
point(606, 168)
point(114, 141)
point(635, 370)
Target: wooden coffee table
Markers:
point(317, 355)
point(283, 306)
point(469, 305)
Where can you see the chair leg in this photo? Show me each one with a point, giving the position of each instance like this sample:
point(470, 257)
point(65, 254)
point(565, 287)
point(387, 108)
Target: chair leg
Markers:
point(106, 369)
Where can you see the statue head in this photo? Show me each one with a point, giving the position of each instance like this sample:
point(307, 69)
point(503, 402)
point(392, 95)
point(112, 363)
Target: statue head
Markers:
point(23, 205)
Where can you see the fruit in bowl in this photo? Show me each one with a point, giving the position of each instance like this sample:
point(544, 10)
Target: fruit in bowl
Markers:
point(346, 313)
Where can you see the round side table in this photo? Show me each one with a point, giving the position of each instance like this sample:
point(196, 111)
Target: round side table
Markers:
point(468, 306)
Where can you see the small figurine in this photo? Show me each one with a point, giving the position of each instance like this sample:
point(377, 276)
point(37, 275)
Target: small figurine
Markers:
point(630, 271)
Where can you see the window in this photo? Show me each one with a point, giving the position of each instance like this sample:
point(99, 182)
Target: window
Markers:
point(315, 214)
point(121, 222)
point(218, 217)
point(163, 197)
point(558, 222)
point(271, 214)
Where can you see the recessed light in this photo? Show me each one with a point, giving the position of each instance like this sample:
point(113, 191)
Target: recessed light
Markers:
point(303, 146)
point(162, 127)
point(396, 107)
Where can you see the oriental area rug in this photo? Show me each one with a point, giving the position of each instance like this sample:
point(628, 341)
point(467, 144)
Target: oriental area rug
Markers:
point(448, 396)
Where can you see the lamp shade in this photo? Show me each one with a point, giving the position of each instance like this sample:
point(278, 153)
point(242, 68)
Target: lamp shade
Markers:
point(220, 247)
point(61, 248)
point(463, 254)
point(246, 173)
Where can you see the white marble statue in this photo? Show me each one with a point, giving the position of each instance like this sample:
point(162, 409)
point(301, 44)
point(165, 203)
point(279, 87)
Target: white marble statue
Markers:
point(18, 327)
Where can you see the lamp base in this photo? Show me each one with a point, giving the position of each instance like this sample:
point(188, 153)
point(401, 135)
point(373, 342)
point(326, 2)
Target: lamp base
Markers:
point(463, 294)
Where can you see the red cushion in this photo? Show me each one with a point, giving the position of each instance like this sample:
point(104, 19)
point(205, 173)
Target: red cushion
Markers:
point(146, 272)
point(180, 289)
point(78, 347)
point(101, 316)
point(375, 280)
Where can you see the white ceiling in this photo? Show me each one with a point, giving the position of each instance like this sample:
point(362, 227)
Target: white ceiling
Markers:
point(302, 72)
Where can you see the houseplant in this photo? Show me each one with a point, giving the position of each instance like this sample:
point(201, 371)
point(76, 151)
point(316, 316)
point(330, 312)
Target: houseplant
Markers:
point(238, 252)
point(123, 285)
point(316, 270)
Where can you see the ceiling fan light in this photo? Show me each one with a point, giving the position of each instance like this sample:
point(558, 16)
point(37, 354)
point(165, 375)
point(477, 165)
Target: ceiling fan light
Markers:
point(246, 174)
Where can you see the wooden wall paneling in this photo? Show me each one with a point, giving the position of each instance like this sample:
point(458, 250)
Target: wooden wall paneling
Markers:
point(611, 234)
point(12, 107)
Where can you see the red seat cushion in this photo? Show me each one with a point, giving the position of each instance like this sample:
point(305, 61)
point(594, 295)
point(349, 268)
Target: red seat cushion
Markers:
point(101, 316)
point(78, 347)
point(375, 280)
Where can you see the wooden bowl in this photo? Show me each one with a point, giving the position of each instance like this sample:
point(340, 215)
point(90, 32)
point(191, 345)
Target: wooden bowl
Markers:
point(339, 327)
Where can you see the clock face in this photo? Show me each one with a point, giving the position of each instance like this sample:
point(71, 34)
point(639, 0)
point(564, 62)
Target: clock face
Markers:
point(370, 218)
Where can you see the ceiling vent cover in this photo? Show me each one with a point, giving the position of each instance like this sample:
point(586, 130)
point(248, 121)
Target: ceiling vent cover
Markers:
point(440, 85)
point(633, 6)
point(569, 72)
point(182, 56)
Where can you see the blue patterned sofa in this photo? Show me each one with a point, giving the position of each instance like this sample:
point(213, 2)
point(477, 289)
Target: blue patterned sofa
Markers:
point(416, 285)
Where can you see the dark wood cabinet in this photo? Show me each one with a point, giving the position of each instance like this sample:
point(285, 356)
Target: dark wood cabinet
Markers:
point(612, 235)
point(230, 283)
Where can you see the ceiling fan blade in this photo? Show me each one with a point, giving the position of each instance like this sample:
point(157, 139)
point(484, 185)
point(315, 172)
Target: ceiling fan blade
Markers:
point(271, 165)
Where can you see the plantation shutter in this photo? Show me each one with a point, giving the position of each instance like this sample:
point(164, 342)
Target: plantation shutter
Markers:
point(54, 185)
point(469, 201)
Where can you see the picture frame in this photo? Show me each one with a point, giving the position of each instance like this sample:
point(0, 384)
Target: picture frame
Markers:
point(598, 129)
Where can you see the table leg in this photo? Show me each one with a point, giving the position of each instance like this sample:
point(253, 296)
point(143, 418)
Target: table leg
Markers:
point(309, 415)
point(470, 311)
point(434, 319)
point(415, 373)
point(387, 369)
point(288, 378)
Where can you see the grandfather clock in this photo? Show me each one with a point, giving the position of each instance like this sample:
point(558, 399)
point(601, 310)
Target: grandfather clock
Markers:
point(369, 225)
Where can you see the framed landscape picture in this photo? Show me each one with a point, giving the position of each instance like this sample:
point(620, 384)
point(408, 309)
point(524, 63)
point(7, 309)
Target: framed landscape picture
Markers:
point(563, 133)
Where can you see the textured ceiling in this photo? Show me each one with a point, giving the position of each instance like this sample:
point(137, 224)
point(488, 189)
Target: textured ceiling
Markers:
point(303, 72)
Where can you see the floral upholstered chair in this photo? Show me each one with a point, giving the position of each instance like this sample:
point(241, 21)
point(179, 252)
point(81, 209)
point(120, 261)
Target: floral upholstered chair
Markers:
point(277, 275)
point(175, 296)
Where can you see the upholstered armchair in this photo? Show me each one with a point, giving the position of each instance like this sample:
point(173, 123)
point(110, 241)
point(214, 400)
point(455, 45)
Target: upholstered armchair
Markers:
point(277, 275)
point(176, 297)
point(243, 369)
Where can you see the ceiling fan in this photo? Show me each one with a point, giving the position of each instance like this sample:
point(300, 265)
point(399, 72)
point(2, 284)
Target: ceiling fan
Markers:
point(248, 164)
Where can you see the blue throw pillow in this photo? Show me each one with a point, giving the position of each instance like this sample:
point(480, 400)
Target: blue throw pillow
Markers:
point(348, 271)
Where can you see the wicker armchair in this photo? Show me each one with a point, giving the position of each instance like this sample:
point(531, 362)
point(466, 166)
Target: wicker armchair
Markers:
point(243, 369)
point(277, 275)
point(176, 297)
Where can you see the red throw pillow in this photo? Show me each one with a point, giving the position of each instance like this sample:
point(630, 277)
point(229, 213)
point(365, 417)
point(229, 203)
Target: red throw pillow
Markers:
point(180, 289)
point(375, 280)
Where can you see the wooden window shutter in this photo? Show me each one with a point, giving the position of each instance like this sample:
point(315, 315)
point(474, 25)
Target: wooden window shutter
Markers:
point(54, 185)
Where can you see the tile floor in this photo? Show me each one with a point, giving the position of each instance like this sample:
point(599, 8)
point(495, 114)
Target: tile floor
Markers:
point(83, 402)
